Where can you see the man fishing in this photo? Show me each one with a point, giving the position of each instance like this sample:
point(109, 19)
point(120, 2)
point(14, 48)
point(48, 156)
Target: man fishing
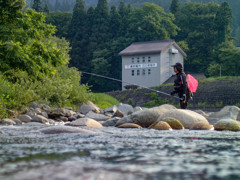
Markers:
point(180, 85)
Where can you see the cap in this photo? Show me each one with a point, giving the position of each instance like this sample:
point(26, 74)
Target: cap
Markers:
point(179, 66)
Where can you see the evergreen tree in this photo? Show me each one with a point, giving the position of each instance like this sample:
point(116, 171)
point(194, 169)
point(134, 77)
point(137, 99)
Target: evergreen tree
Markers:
point(66, 6)
point(100, 27)
point(223, 23)
point(115, 22)
point(175, 6)
point(78, 38)
point(57, 5)
point(46, 9)
point(37, 5)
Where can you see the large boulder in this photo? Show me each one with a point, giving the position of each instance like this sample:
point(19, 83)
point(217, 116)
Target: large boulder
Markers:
point(227, 124)
point(85, 122)
point(65, 129)
point(187, 118)
point(89, 106)
point(97, 117)
point(143, 118)
point(163, 108)
point(227, 112)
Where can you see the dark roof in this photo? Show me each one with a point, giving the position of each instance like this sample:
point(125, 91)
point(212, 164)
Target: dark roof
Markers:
point(149, 47)
point(173, 77)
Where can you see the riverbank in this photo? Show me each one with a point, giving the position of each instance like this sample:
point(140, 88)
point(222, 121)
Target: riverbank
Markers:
point(212, 95)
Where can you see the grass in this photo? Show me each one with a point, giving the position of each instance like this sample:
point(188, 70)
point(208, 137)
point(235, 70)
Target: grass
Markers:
point(211, 79)
point(104, 100)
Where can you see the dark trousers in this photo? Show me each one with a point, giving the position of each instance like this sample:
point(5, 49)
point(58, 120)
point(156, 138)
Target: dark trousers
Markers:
point(182, 104)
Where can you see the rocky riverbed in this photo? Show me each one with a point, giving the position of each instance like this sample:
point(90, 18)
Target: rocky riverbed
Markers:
point(120, 142)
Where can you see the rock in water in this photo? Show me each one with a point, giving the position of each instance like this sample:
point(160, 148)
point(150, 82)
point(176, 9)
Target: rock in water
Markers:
point(6, 121)
point(85, 122)
point(66, 129)
point(174, 123)
point(227, 124)
point(160, 125)
point(187, 118)
point(129, 125)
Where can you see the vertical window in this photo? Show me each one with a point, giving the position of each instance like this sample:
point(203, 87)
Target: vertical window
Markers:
point(143, 59)
point(132, 60)
point(149, 59)
point(149, 71)
point(138, 59)
point(138, 72)
point(132, 72)
point(143, 72)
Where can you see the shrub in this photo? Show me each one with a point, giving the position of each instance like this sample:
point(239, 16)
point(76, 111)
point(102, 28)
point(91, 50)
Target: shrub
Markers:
point(104, 100)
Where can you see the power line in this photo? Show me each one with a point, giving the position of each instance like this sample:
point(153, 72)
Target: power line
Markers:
point(114, 79)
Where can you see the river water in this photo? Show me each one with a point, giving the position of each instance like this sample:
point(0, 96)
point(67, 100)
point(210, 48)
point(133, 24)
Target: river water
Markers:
point(119, 154)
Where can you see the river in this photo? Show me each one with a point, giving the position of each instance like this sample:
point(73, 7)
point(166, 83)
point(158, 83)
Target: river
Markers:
point(119, 154)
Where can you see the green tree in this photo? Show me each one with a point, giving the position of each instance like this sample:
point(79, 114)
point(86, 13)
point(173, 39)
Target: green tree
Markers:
point(150, 22)
point(100, 26)
point(78, 38)
point(197, 28)
point(115, 22)
point(223, 23)
point(28, 47)
point(37, 5)
point(61, 20)
point(46, 9)
point(175, 6)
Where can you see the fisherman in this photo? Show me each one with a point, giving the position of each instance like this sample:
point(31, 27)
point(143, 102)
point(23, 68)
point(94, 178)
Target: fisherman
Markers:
point(180, 85)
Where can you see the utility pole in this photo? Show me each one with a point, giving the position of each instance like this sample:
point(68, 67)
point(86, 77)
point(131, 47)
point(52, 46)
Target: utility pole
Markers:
point(220, 68)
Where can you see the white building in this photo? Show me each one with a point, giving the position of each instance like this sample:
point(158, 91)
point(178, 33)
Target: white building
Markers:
point(149, 63)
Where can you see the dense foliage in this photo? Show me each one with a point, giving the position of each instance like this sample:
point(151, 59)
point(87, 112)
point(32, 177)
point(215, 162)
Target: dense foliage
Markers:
point(33, 62)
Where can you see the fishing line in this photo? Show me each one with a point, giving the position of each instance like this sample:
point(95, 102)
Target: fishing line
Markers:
point(114, 79)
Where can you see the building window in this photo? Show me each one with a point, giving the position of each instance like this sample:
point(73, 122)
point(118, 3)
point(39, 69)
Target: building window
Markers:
point(149, 59)
point(132, 60)
point(138, 72)
point(143, 59)
point(143, 72)
point(132, 72)
point(138, 59)
point(149, 71)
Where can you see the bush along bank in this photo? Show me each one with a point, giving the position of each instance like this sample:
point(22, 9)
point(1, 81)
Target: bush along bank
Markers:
point(164, 117)
point(212, 94)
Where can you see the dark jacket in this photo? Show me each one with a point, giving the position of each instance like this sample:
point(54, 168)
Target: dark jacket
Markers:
point(180, 85)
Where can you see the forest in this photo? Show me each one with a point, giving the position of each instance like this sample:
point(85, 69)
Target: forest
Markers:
point(98, 34)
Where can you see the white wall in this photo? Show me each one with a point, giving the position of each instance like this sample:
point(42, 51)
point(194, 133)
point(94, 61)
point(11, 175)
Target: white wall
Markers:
point(147, 80)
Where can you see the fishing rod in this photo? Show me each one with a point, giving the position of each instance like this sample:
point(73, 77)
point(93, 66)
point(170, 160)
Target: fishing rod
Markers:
point(114, 79)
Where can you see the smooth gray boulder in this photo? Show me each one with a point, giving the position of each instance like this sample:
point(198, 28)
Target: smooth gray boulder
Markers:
point(97, 117)
point(25, 118)
point(111, 122)
point(125, 108)
point(66, 129)
point(163, 108)
point(227, 112)
point(17, 121)
point(40, 119)
point(89, 106)
point(188, 118)
point(85, 122)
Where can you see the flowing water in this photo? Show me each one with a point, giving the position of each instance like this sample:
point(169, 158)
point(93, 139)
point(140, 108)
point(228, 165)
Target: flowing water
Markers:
point(119, 154)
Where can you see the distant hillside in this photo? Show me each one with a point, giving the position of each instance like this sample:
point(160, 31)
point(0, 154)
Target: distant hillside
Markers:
point(67, 5)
